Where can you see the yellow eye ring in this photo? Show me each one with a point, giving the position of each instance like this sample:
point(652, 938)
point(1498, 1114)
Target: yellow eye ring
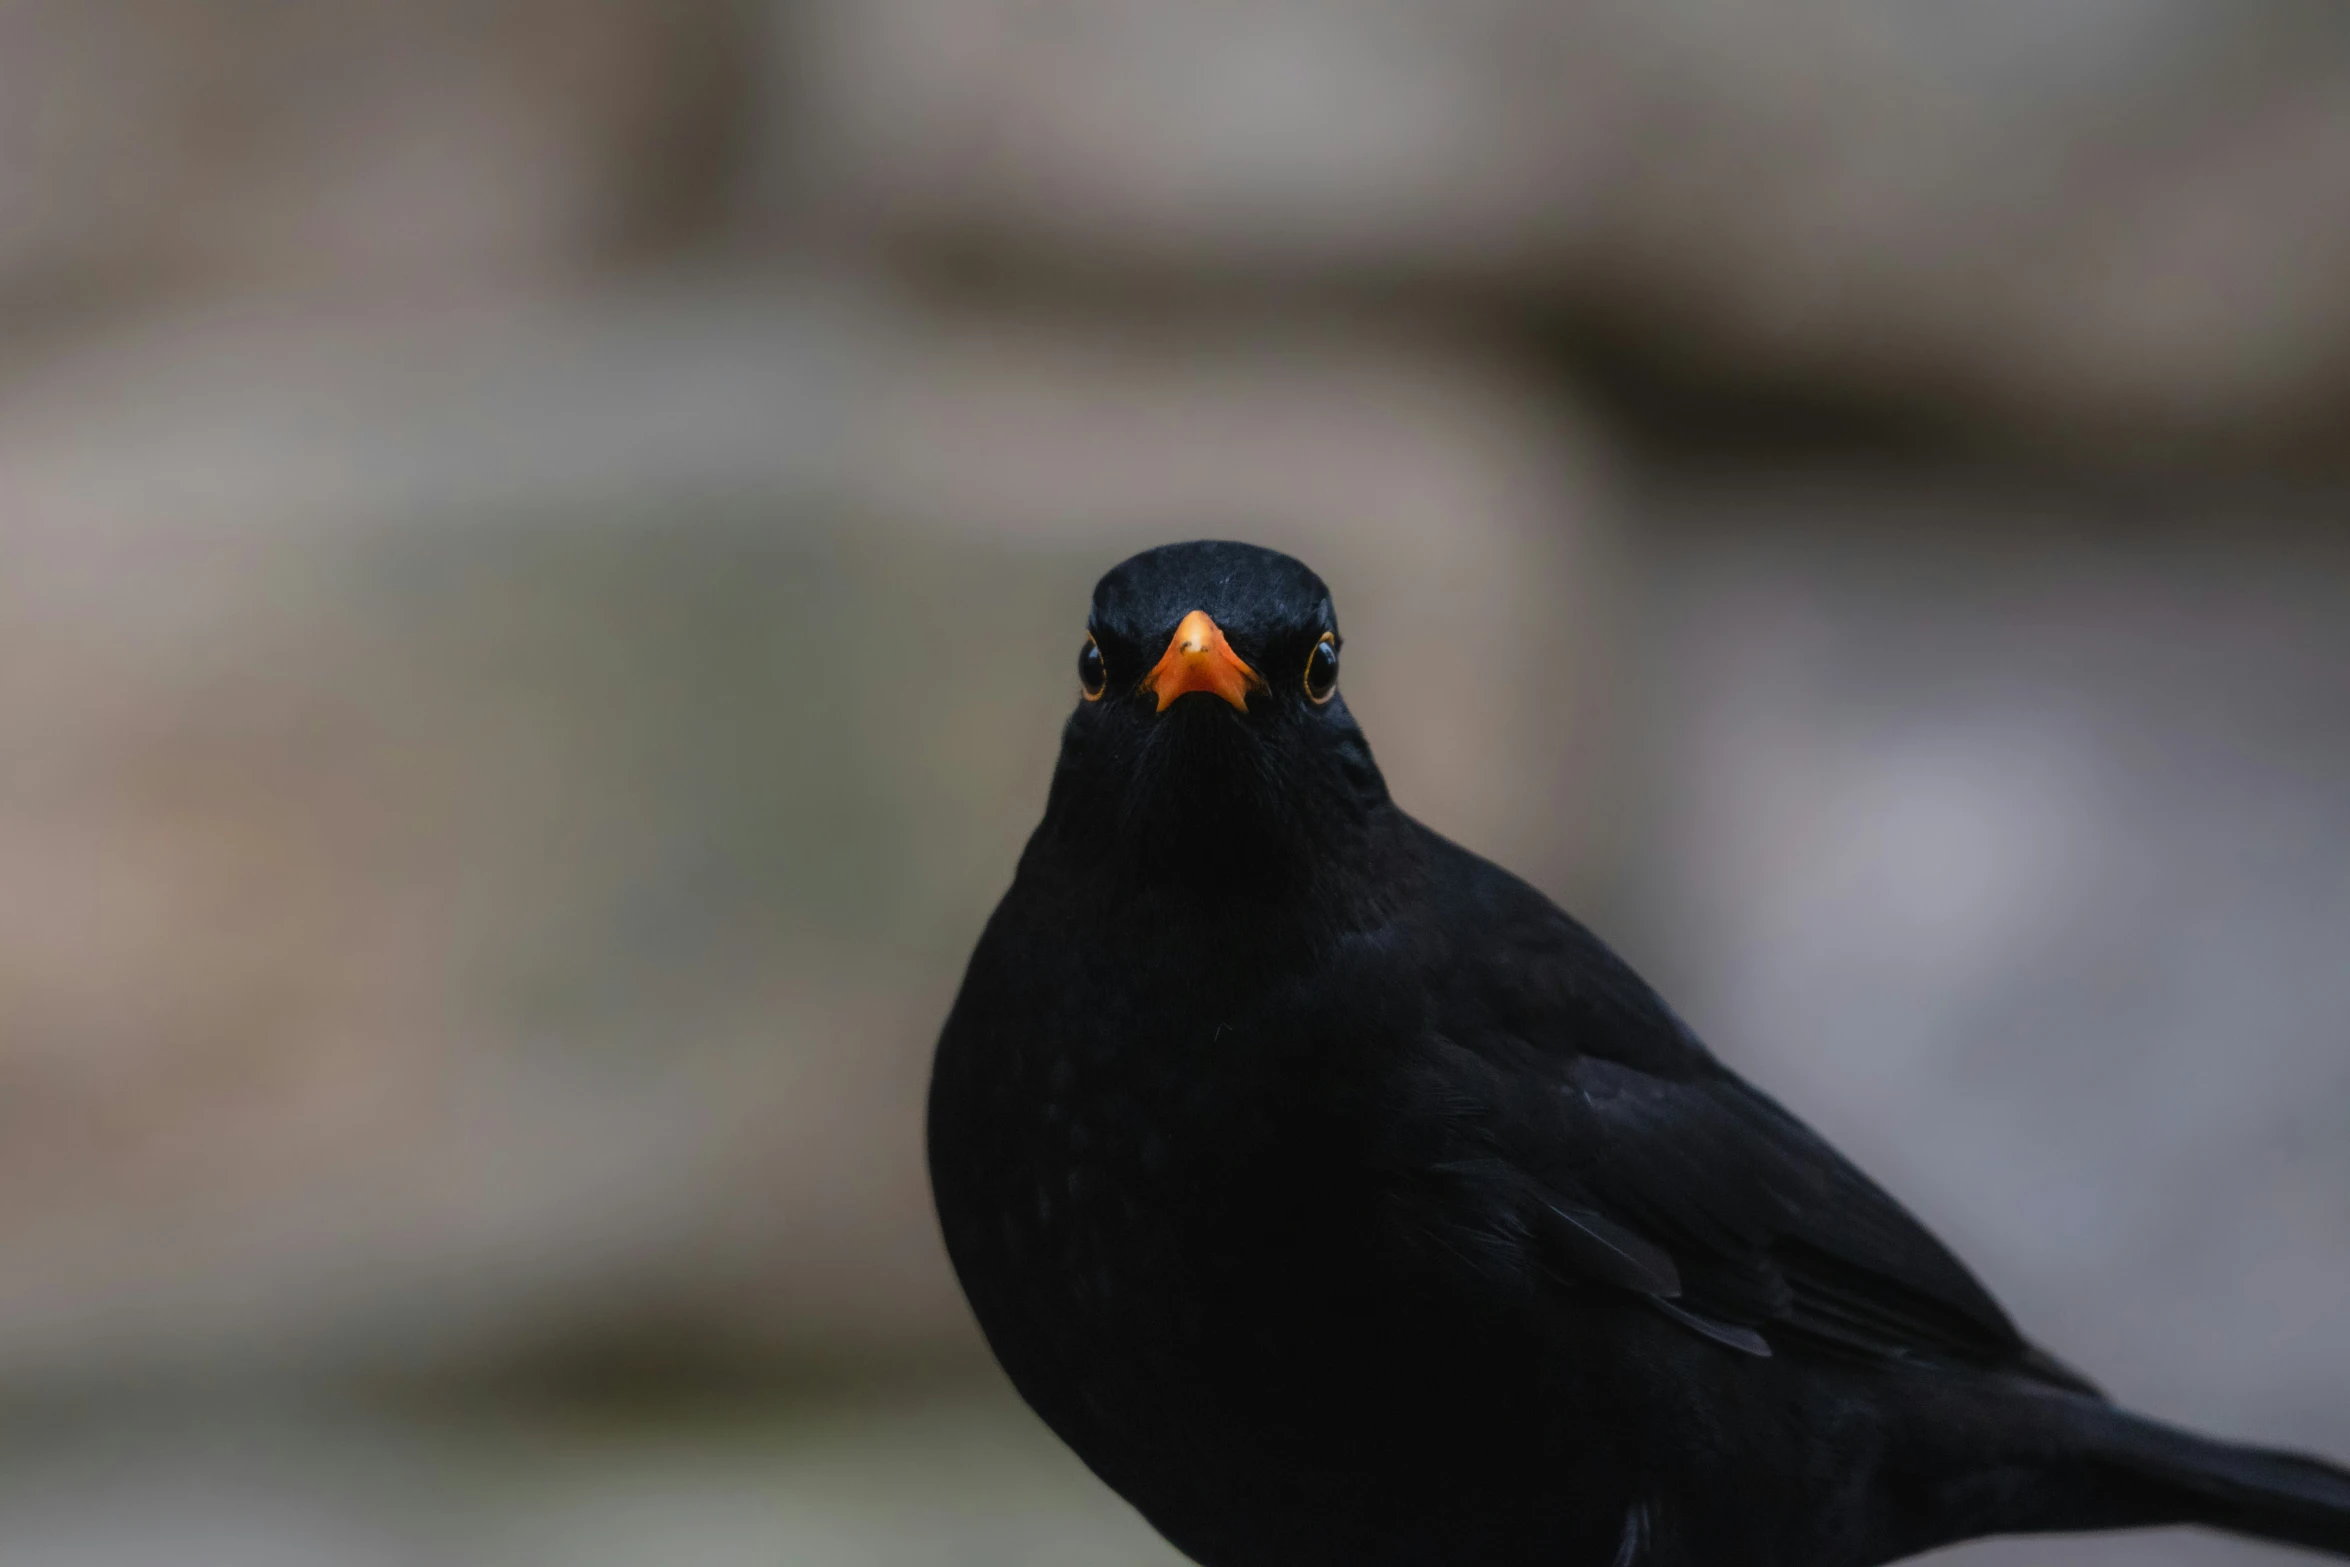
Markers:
point(1322, 670)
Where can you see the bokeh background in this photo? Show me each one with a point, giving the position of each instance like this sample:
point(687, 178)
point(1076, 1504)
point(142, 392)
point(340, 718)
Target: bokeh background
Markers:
point(542, 542)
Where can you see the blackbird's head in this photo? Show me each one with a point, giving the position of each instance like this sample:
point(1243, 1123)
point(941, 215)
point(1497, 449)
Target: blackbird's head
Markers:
point(1210, 733)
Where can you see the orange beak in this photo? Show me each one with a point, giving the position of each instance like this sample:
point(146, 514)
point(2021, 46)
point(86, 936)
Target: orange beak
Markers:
point(1199, 659)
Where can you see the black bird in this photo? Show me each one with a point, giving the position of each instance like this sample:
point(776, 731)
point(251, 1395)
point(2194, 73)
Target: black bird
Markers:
point(1341, 1201)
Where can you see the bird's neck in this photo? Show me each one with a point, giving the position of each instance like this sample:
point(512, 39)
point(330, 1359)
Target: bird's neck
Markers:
point(1227, 881)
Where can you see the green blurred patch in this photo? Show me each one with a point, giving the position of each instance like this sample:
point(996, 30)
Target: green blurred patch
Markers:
point(701, 742)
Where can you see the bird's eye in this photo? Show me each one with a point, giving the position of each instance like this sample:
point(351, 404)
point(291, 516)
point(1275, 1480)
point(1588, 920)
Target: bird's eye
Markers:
point(1092, 677)
point(1322, 670)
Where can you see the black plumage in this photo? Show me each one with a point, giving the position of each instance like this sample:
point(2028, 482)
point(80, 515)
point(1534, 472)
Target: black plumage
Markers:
point(1342, 1201)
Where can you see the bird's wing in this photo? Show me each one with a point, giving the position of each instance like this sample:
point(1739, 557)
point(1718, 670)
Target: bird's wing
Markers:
point(1570, 1123)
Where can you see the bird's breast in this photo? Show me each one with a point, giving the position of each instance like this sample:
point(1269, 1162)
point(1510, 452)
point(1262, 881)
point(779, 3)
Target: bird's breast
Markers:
point(1133, 1187)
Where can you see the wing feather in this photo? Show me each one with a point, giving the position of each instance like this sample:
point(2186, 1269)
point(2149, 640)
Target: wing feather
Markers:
point(1584, 1124)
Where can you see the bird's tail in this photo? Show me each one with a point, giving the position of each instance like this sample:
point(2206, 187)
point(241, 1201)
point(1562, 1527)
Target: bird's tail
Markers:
point(2074, 1462)
point(2185, 1478)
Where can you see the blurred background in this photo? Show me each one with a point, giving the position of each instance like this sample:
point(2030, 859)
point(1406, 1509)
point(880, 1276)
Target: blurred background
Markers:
point(542, 544)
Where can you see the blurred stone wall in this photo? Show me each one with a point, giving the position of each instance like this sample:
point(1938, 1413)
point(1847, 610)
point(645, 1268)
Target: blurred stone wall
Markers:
point(2129, 221)
point(242, 146)
point(2124, 223)
point(497, 802)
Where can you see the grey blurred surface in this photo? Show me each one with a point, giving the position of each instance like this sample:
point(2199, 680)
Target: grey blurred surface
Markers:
point(540, 549)
point(953, 1475)
point(2011, 851)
